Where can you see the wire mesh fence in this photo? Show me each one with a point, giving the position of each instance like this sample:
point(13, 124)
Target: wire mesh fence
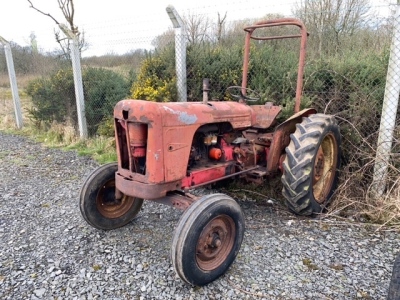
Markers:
point(348, 54)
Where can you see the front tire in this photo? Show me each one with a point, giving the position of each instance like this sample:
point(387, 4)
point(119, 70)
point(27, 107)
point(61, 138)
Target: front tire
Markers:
point(311, 164)
point(98, 204)
point(207, 239)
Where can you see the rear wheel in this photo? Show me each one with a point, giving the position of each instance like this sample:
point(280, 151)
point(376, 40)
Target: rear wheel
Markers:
point(207, 239)
point(311, 164)
point(99, 205)
point(394, 287)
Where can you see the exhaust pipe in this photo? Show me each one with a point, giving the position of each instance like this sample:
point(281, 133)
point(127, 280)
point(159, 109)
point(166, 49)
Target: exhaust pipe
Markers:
point(206, 89)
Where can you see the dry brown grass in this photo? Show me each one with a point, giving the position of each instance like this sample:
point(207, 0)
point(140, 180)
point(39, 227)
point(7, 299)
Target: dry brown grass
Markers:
point(4, 81)
point(356, 198)
point(61, 134)
point(7, 114)
point(22, 81)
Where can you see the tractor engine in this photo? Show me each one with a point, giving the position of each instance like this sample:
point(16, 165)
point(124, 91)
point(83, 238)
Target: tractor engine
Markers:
point(218, 151)
point(213, 147)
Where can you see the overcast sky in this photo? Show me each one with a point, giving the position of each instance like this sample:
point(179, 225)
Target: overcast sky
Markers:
point(120, 25)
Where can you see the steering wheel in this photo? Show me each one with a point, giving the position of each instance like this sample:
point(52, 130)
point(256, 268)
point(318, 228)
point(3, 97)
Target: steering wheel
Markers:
point(235, 92)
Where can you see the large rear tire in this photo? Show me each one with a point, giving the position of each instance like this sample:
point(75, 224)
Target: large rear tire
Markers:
point(311, 164)
point(207, 239)
point(98, 204)
point(394, 286)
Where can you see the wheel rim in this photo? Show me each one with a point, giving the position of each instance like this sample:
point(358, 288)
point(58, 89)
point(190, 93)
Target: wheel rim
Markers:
point(325, 168)
point(108, 205)
point(215, 242)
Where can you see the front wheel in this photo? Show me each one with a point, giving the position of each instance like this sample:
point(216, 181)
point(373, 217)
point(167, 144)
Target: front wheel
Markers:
point(99, 205)
point(310, 169)
point(207, 239)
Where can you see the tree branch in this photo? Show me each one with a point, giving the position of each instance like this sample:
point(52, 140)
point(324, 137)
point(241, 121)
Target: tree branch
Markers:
point(43, 13)
point(68, 10)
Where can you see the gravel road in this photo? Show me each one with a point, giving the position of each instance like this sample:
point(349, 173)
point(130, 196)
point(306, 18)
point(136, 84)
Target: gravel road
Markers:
point(47, 251)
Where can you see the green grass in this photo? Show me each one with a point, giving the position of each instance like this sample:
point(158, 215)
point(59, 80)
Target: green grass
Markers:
point(101, 149)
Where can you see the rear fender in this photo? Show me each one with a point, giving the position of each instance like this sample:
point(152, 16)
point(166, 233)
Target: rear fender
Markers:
point(281, 139)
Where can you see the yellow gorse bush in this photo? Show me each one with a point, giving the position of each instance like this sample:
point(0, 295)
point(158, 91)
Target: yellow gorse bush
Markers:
point(151, 83)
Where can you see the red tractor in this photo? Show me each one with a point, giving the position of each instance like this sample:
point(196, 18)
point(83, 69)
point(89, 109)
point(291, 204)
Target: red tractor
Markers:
point(165, 150)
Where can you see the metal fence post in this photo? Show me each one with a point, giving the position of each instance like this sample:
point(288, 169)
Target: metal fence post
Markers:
point(389, 111)
point(13, 82)
point(180, 53)
point(76, 68)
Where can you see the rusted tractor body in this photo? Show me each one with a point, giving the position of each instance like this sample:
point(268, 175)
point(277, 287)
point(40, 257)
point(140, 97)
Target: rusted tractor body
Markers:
point(165, 150)
point(175, 147)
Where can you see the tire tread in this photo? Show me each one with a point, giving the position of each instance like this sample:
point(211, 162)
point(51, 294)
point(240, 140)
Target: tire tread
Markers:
point(296, 178)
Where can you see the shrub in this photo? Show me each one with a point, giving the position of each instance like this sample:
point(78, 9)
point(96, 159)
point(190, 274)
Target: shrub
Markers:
point(54, 100)
point(156, 80)
point(352, 89)
point(223, 66)
point(103, 89)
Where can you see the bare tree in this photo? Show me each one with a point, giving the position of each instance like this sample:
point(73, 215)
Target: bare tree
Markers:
point(220, 26)
point(68, 10)
point(198, 28)
point(164, 40)
point(331, 20)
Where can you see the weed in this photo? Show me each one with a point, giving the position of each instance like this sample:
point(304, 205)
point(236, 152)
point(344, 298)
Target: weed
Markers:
point(96, 268)
point(337, 267)
point(308, 263)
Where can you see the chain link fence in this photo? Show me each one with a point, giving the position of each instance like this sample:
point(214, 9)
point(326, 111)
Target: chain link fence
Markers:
point(348, 53)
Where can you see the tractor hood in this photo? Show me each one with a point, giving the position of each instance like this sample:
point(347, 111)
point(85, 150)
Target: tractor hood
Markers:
point(184, 113)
